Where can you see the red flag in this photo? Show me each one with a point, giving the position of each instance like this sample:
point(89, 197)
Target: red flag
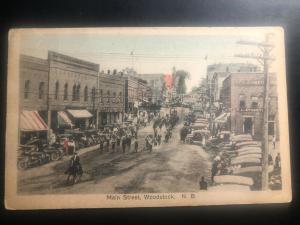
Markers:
point(168, 81)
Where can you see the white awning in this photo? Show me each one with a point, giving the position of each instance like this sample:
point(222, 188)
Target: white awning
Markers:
point(222, 118)
point(83, 113)
point(64, 119)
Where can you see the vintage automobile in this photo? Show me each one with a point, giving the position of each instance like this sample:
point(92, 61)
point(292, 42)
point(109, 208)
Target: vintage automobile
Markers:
point(199, 126)
point(247, 143)
point(196, 136)
point(245, 162)
point(233, 179)
point(28, 156)
point(250, 151)
point(251, 171)
point(229, 187)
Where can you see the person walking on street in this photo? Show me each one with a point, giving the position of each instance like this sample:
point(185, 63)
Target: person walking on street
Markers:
point(274, 141)
point(203, 184)
point(123, 143)
point(136, 145)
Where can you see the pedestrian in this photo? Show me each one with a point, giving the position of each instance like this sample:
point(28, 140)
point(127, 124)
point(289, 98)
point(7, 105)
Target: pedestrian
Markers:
point(214, 170)
point(113, 143)
point(136, 145)
point(274, 141)
point(129, 142)
point(203, 184)
point(66, 146)
point(159, 139)
point(277, 165)
point(123, 143)
point(101, 144)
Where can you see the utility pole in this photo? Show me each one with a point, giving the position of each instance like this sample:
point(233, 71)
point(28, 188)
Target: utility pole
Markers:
point(265, 60)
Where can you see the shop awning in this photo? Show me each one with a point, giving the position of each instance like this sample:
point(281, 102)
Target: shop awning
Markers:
point(64, 119)
point(222, 118)
point(83, 113)
point(32, 121)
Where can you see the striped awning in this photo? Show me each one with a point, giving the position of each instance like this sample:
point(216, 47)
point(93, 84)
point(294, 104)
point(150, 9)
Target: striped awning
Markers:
point(83, 113)
point(64, 119)
point(32, 121)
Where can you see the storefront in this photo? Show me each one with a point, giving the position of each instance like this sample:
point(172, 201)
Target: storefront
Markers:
point(32, 126)
point(80, 118)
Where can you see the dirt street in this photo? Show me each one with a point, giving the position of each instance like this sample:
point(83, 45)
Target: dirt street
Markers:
point(171, 167)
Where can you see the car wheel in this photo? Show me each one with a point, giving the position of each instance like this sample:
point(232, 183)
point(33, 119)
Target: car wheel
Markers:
point(22, 165)
point(55, 156)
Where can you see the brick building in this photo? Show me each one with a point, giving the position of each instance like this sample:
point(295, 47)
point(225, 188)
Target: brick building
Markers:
point(216, 73)
point(242, 96)
point(136, 92)
point(111, 101)
point(72, 90)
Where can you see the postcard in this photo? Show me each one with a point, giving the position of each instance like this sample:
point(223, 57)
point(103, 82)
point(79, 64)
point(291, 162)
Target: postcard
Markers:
point(146, 117)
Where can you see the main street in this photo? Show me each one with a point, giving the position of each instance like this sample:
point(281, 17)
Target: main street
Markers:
point(171, 167)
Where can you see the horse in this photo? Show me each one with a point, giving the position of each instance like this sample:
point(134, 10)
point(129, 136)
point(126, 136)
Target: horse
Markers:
point(76, 172)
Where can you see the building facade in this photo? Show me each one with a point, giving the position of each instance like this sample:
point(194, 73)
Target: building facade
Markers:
point(72, 86)
point(157, 85)
point(111, 100)
point(33, 105)
point(216, 73)
point(242, 97)
point(34, 75)
point(136, 92)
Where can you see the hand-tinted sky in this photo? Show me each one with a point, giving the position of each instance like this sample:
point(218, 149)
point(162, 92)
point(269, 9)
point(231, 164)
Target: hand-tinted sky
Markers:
point(145, 53)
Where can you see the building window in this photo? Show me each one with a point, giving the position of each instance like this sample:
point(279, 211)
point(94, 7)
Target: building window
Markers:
point(114, 98)
point(56, 90)
point(120, 95)
point(66, 91)
point(74, 93)
point(78, 92)
point(41, 90)
point(26, 89)
point(242, 102)
point(254, 104)
point(108, 96)
point(101, 95)
point(93, 94)
point(86, 94)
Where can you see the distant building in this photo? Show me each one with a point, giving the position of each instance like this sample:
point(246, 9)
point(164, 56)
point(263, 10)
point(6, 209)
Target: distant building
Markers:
point(216, 85)
point(216, 73)
point(136, 92)
point(242, 96)
point(156, 83)
point(111, 101)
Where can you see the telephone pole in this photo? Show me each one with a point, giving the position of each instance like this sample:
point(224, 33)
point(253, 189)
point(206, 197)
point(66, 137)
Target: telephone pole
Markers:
point(265, 60)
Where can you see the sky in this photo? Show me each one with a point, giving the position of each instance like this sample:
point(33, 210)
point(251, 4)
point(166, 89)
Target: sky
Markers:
point(149, 53)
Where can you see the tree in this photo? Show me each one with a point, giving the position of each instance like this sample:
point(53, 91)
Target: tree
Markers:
point(179, 81)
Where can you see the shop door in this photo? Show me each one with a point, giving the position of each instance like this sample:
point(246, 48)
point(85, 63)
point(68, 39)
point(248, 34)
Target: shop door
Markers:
point(248, 125)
